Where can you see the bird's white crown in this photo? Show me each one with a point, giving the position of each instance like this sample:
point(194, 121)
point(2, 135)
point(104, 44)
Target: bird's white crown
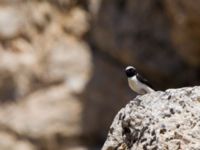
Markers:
point(129, 67)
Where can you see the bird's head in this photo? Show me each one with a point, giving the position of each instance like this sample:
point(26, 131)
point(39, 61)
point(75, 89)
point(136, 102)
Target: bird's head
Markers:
point(130, 71)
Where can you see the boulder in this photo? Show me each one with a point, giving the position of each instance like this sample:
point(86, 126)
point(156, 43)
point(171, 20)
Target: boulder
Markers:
point(160, 120)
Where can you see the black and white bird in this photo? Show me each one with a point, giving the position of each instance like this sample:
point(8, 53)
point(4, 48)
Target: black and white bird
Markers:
point(136, 82)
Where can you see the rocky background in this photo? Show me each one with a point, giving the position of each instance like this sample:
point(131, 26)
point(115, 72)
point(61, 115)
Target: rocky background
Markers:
point(62, 62)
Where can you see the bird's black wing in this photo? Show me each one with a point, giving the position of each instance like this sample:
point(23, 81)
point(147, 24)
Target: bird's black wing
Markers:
point(143, 80)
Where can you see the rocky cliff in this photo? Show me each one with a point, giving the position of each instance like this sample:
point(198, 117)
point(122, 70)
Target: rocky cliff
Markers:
point(166, 120)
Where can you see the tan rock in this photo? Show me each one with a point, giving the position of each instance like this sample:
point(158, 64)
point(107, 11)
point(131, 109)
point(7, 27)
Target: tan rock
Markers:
point(77, 22)
point(10, 141)
point(12, 23)
point(61, 62)
point(17, 73)
point(44, 66)
point(44, 114)
point(49, 59)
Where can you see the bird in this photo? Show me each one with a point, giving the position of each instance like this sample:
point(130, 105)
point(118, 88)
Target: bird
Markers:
point(136, 82)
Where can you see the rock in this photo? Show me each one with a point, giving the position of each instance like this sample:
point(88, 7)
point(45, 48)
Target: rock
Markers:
point(46, 60)
point(33, 61)
point(17, 74)
point(9, 141)
point(136, 36)
point(159, 120)
point(94, 7)
point(77, 22)
point(64, 3)
point(184, 17)
point(44, 117)
point(43, 69)
point(42, 17)
point(12, 23)
point(44, 51)
point(140, 34)
point(59, 63)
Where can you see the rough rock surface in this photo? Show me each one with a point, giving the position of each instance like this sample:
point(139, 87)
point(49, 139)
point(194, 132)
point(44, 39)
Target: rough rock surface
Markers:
point(158, 121)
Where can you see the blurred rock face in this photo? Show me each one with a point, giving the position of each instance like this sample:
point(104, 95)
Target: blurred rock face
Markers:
point(41, 52)
point(185, 31)
point(141, 34)
point(44, 65)
point(60, 92)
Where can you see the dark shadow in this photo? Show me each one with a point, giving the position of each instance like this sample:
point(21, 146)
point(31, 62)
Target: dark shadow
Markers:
point(105, 94)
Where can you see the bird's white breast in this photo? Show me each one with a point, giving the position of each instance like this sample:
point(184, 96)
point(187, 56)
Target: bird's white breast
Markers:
point(137, 86)
point(134, 83)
